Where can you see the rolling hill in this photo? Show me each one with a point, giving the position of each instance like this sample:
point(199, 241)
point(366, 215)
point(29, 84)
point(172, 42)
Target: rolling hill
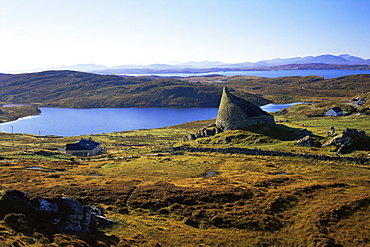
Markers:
point(294, 88)
point(85, 90)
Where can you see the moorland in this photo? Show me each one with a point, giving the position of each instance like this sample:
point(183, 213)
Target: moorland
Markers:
point(162, 197)
point(86, 90)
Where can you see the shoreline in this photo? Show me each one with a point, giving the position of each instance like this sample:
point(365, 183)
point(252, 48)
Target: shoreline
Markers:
point(9, 114)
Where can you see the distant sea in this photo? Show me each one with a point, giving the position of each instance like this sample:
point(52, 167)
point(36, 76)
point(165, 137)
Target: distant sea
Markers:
point(327, 74)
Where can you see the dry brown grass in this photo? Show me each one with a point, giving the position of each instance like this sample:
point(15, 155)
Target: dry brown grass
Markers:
point(170, 200)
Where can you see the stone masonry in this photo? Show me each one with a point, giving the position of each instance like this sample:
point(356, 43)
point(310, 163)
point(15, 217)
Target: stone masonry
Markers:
point(238, 113)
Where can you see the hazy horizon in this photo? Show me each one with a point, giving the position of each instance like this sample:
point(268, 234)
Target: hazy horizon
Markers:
point(83, 67)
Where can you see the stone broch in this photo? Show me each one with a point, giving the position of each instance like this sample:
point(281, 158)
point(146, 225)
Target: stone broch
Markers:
point(238, 113)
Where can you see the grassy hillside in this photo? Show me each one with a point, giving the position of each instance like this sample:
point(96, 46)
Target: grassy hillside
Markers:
point(295, 88)
point(159, 198)
point(86, 90)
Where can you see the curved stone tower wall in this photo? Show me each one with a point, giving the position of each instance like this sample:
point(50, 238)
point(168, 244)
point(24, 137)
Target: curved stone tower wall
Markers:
point(237, 113)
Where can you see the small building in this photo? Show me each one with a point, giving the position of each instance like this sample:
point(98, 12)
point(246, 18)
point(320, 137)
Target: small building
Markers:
point(358, 101)
point(334, 112)
point(84, 147)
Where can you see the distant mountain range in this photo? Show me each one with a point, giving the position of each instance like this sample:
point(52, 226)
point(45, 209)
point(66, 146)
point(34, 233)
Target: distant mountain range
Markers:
point(343, 61)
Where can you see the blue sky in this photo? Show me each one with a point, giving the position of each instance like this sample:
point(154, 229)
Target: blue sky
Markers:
point(50, 33)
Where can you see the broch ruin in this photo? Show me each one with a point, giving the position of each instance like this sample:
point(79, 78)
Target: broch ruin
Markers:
point(234, 113)
point(238, 113)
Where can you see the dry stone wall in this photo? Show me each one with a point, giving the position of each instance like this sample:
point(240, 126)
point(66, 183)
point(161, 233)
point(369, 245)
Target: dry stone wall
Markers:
point(247, 151)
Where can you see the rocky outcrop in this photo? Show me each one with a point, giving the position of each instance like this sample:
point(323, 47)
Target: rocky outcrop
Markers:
point(207, 131)
point(308, 141)
point(349, 140)
point(237, 113)
point(61, 214)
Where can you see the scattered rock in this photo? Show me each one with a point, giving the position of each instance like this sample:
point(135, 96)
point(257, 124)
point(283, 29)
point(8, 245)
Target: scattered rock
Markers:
point(308, 141)
point(208, 131)
point(60, 214)
point(191, 137)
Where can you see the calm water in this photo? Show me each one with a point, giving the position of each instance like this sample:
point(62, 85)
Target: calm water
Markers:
point(271, 74)
point(277, 107)
point(74, 122)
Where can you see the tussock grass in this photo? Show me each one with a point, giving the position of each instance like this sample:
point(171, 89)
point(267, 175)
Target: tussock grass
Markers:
point(310, 182)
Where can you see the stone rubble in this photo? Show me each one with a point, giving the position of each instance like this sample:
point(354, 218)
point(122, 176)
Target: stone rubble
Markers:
point(66, 214)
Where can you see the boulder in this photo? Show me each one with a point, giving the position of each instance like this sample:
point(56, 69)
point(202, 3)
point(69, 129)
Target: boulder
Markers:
point(209, 132)
point(349, 140)
point(191, 137)
point(308, 141)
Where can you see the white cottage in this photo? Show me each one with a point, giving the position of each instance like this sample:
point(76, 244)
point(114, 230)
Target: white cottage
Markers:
point(334, 112)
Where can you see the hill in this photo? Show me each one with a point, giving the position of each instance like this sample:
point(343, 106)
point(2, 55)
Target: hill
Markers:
point(294, 88)
point(86, 90)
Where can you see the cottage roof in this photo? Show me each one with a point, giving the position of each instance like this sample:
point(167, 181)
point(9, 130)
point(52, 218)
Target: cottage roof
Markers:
point(83, 144)
point(336, 109)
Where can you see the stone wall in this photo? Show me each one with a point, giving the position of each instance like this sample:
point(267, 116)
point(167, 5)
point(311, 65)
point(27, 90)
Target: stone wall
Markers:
point(247, 151)
point(251, 121)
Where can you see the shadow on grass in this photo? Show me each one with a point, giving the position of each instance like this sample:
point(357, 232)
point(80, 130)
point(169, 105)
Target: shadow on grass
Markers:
point(281, 132)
